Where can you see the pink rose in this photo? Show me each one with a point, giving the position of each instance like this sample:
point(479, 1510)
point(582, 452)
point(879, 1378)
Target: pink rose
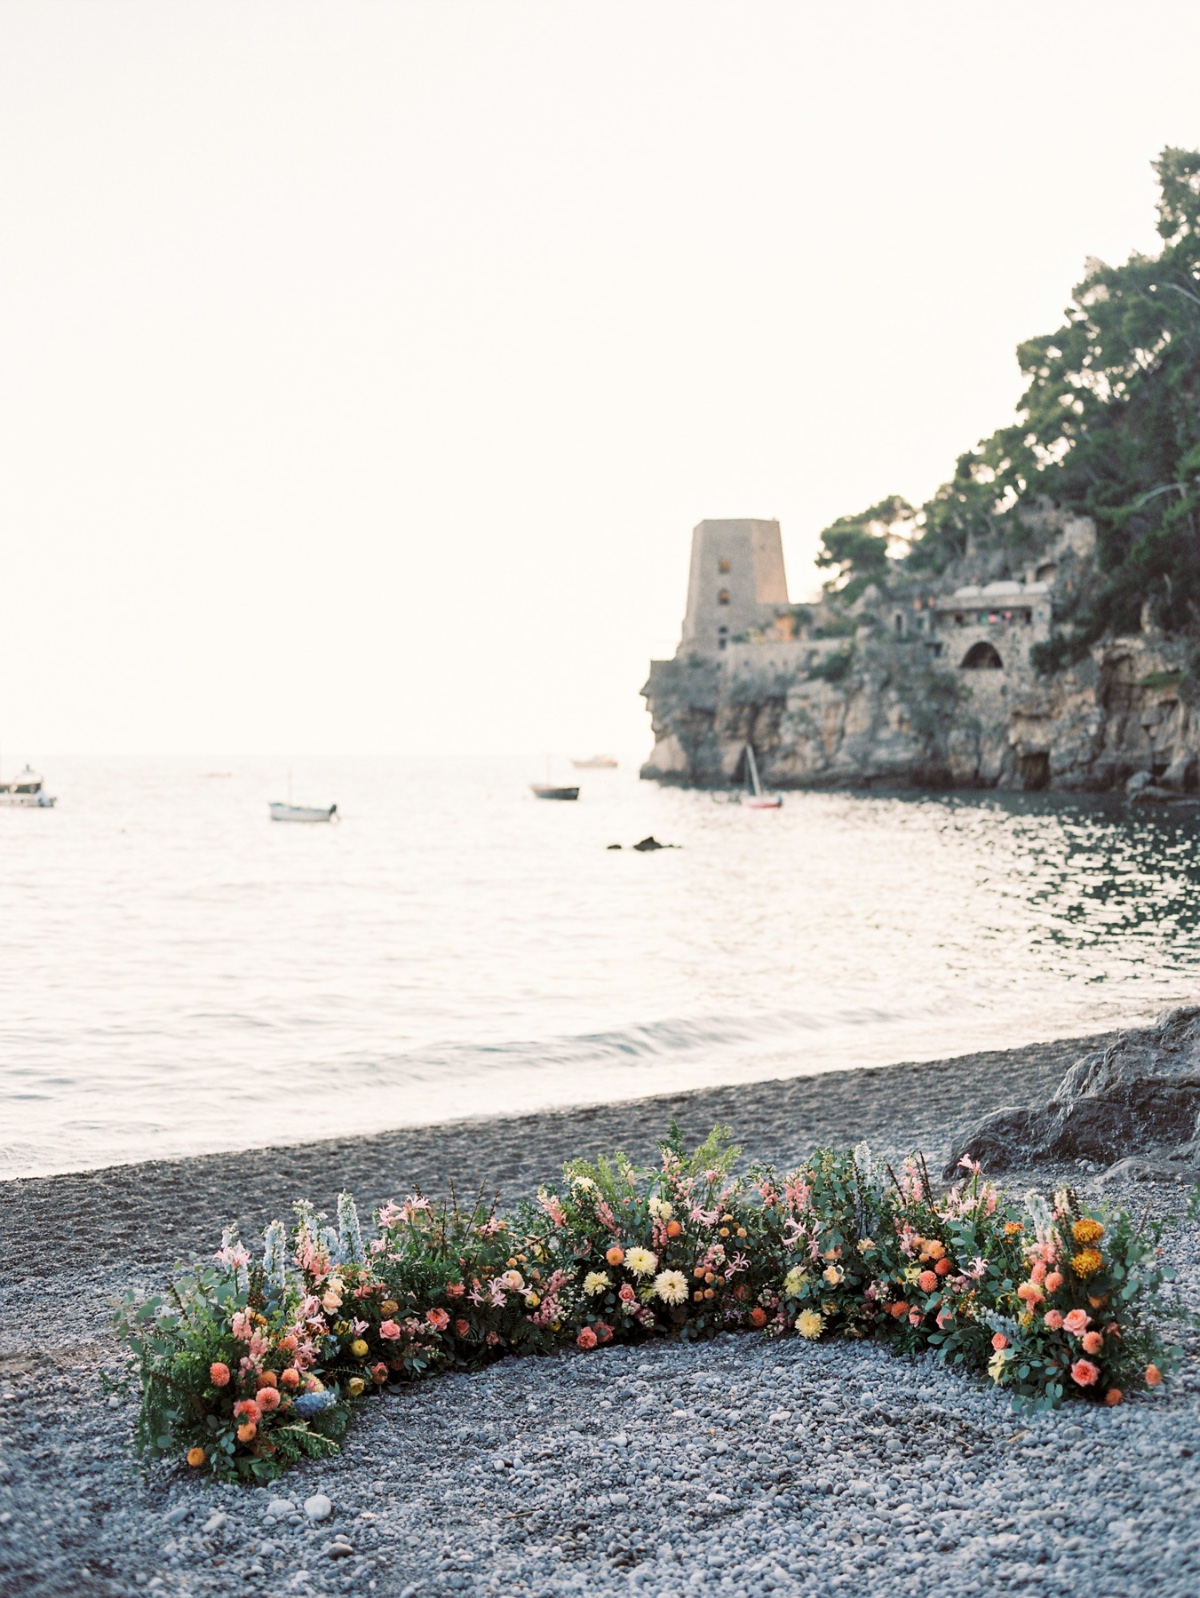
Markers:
point(1053, 1319)
point(438, 1319)
point(999, 1341)
point(1077, 1322)
point(626, 1294)
point(389, 1330)
point(587, 1338)
point(1084, 1372)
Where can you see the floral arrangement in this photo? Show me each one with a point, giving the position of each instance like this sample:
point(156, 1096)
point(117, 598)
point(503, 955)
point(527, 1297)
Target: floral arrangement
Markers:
point(245, 1368)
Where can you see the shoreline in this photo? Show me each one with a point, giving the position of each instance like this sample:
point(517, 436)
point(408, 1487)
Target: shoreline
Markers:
point(145, 1217)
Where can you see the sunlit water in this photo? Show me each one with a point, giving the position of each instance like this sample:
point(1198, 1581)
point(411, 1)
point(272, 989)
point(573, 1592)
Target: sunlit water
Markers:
point(179, 974)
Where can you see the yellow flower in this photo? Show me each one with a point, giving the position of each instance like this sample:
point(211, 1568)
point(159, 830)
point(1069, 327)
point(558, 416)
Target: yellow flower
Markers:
point(661, 1209)
point(1087, 1231)
point(809, 1324)
point(358, 1348)
point(595, 1282)
point(388, 1307)
point(795, 1282)
point(671, 1286)
point(355, 1386)
point(833, 1274)
point(912, 1273)
point(1087, 1262)
point(641, 1261)
point(997, 1363)
point(532, 1301)
point(829, 1307)
point(865, 1245)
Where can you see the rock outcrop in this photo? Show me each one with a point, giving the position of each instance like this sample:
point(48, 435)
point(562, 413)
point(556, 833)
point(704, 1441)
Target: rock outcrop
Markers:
point(1139, 1096)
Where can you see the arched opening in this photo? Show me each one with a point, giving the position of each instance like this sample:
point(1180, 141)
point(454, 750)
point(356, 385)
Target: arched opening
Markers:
point(982, 657)
point(723, 597)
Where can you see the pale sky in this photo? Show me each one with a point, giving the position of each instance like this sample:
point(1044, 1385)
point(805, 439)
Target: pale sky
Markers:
point(365, 367)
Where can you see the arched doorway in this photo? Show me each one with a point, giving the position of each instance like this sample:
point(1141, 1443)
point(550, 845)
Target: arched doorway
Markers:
point(982, 657)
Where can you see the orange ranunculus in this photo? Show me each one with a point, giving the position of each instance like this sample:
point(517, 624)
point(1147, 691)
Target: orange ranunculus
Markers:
point(290, 1377)
point(267, 1379)
point(248, 1432)
point(758, 1316)
point(1054, 1281)
point(1113, 1397)
point(615, 1255)
point(196, 1457)
point(944, 1266)
point(218, 1374)
point(1153, 1376)
point(898, 1311)
point(673, 1228)
point(927, 1281)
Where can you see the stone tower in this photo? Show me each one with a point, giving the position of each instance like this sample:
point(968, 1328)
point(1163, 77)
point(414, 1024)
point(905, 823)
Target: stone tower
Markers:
point(736, 581)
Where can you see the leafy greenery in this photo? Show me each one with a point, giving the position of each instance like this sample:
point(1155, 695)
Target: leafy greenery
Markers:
point(1108, 427)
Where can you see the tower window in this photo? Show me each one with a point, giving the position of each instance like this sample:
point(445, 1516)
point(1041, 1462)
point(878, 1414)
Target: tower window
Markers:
point(723, 564)
point(723, 597)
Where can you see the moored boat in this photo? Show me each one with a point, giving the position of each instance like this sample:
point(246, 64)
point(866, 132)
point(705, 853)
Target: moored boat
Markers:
point(596, 763)
point(25, 792)
point(545, 790)
point(289, 812)
point(753, 797)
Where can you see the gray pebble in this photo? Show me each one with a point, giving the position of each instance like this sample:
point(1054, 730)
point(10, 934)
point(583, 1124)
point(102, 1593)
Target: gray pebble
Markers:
point(318, 1507)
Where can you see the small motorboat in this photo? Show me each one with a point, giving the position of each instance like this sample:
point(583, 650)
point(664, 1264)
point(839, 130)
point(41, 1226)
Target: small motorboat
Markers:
point(545, 790)
point(753, 797)
point(597, 763)
point(25, 792)
point(289, 812)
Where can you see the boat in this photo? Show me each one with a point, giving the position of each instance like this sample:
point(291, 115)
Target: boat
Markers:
point(753, 797)
point(545, 790)
point(597, 763)
point(288, 812)
point(25, 792)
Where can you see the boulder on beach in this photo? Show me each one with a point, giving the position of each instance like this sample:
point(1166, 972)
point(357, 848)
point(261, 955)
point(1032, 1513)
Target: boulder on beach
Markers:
point(1139, 1095)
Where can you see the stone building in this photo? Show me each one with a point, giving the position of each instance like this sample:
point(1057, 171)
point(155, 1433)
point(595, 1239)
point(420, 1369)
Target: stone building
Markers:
point(736, 582)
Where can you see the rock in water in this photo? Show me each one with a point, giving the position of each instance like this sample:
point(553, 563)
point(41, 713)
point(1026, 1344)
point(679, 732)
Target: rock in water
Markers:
point(1141, 1093)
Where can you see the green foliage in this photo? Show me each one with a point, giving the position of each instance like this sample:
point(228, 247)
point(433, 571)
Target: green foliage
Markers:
point(834, 667)
point(857, 547)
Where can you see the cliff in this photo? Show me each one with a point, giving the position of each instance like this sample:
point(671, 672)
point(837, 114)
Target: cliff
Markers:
point(932, 683)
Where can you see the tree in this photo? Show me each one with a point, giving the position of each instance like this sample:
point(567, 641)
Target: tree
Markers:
point(858, 547)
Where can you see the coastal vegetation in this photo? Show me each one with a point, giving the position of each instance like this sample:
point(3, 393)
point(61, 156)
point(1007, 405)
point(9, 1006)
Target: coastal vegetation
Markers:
point(247, 1364)
point(1108, 428)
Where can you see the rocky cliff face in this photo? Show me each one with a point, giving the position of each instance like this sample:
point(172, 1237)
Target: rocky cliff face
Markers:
point(887, 705)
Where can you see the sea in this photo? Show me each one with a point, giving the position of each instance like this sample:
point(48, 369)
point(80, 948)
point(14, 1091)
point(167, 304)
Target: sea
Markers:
point(179, 974)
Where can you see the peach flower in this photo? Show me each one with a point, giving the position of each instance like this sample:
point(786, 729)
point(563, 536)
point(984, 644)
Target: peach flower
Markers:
point(1054, 1281)
point(1053, 1320)
point(587, 1338)
point(927, 1281)
point(1092, 1342)
point(218, 1374)
point(463, 1328)
point(290, 1377)
point(999, 1341)
point(389, 1331)
point(1113, 1397)
point(248, 1432)
point(379, 1372)
point(268, 1399)
point(248, 1409)
point(1153, 1376)
point(438, 1319)
point(1084, 1372)
point(1077, 1322)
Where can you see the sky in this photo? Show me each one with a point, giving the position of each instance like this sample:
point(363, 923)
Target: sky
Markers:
point(364, 367)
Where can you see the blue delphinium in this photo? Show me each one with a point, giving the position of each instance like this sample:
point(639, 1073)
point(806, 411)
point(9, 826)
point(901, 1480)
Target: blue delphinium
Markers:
point(275, 1256)
point(350, 1243)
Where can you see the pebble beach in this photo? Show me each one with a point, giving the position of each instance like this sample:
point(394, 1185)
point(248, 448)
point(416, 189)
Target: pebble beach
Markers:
point(735, 1466)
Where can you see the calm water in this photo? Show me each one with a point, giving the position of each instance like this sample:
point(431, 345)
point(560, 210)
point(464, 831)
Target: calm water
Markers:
point(178, 974)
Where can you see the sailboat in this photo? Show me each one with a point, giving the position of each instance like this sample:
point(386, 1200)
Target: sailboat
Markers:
point(753, 797)
point(290, 812)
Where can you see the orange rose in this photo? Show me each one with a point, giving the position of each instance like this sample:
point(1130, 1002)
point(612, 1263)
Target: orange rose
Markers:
point(196, 1457)
point(758, 1316)
point(1113, 1397)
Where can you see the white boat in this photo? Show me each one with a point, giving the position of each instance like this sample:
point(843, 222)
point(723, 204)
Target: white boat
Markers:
point(596, 763)
point(753, 797)
point(25, 791)
point(289, 812)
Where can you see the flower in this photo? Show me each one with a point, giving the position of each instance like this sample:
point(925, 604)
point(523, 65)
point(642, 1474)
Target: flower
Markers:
point(514, 1281)
point(1054, 1281)
point(196, 1457)
point(671, 1287)
point(1053, 1320)
point(359, 1348)
point(268, 1399)
point(641, 1261)
point(390, 1306)
point(438, 1319)
point(1077, 1322)
point(944, 1266)
point(673, 1228)
point(587, 1338)
point(1153, 1376)
point(379, 1372)
point(218, 1375)
point(453, 1290)
point(1087, 1262)
point(248, 1432)
point(999, 1341)
point(898, 1310)
point(615, 1255)
point(1092, 1342)
point(532, 1300)
point(1113, 1397)
point(290, 1377)
point(833, 1274)
point(627, 1294)
point(865, 1245)
point(463, 1328)
point(389, 1331)
point(996, 1365)
point(266, 1379)
point(1084, 1372)
point(758, 1316)
point(795, 1282)
point(356, 1387)
point(661, 1209)
point(603, 1332)
point(247, 1409)
point(1087, 1231)
point(809, 1324)
point(595, 1282)
point(927, 1281)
